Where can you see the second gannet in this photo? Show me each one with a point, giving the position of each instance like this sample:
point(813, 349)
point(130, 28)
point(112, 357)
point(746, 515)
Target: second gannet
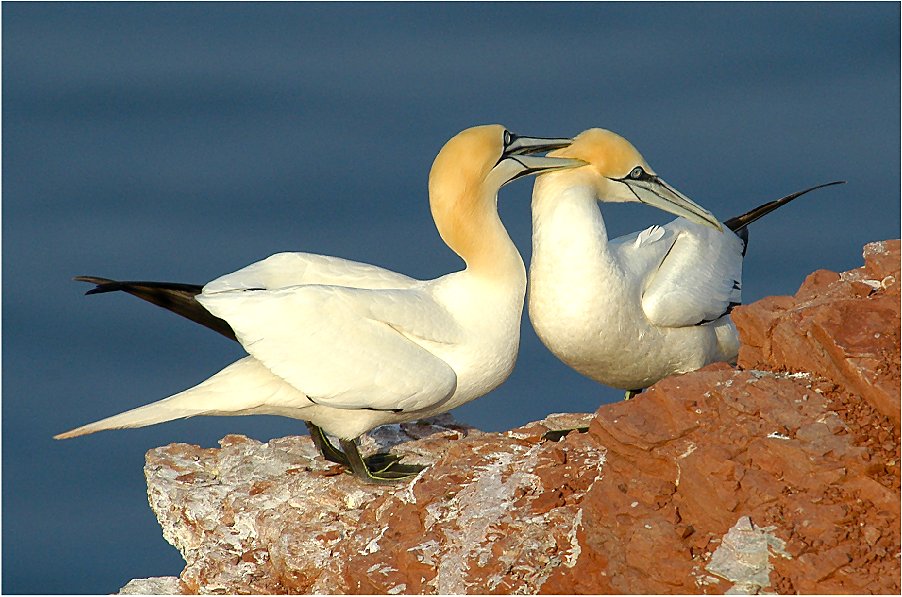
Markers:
point(630, 311)
point(350, 346)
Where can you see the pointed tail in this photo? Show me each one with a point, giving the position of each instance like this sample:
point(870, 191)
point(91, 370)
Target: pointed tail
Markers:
point(178, 298)
point(739, 222)
point(243, 388)
point(150, 414)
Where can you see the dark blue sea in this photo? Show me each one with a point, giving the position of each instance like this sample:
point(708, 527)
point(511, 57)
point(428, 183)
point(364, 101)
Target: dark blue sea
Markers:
point(180, 142)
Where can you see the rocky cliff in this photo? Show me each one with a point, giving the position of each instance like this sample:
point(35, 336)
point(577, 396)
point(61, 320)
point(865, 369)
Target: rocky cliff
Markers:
point(778, 475)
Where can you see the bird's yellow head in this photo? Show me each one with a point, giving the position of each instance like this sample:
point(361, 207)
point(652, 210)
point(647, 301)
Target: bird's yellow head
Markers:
point(618, 173)
point(468, 157)
point(470, 169)
point(608, 154)
point(483, 159)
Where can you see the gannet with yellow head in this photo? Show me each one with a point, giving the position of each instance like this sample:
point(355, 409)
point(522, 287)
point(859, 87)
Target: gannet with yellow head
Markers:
point(349, 346)
point(630, 311)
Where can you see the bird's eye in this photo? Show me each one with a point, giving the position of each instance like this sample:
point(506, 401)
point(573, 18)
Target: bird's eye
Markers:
point(508, 138)
point(637, 173)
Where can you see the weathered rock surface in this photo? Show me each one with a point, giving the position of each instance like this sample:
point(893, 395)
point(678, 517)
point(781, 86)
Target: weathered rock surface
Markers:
point(159, 585)
point(838, 326)
point(779, 475)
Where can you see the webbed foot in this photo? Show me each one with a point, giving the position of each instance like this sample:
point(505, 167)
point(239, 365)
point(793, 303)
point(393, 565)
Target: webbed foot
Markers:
point(383, 467)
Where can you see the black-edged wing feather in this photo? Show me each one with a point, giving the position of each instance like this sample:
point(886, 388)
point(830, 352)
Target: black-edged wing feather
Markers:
point(172, 296)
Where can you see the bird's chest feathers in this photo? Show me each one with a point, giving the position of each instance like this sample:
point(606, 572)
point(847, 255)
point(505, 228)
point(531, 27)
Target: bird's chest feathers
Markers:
point(571, 304)
point(489, 318)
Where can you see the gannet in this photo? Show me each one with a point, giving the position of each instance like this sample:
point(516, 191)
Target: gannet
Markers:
point(636, 309)
point(349, 346)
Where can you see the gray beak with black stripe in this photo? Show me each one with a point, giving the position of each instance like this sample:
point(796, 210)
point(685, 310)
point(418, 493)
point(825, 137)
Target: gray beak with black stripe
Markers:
point(518, 152)
point(651, 190)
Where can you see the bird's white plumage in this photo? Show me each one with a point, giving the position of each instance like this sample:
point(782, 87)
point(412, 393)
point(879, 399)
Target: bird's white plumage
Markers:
point(243, 388)
point(682, 289)
point(343, 347)
point(295, 269)
point(350, 346)
point(633, 310)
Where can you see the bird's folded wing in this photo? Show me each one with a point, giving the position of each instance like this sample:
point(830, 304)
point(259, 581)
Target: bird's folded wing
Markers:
point(346, 347)
point(697, 280)
point(294, 269)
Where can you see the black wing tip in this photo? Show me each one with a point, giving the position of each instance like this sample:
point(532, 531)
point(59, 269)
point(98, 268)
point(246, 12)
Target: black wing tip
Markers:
point(91, 279)
point(742, 221)
point(828, 184)
point(107, 285)
point(103, 284)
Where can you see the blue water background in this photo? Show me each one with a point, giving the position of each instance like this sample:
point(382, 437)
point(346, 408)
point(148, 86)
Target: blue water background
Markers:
point(179, 142)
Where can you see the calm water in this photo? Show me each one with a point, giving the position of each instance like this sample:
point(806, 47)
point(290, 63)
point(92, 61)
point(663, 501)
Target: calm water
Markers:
point(180, 142)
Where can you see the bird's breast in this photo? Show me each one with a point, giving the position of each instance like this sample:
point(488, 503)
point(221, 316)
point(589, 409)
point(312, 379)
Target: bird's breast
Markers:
point(489, 317)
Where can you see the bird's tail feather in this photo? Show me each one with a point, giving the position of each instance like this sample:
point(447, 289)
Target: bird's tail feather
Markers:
point(151, 414)
point(740, 222)
point(244, 387)
point(178, 298)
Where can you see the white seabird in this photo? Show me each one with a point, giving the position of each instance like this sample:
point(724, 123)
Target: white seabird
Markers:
point(350, 346)
point(633, 310)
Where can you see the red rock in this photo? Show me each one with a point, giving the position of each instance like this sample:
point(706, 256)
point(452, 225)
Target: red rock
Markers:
point(882, 259)
point(830, 331)
point(816, 282)
point(780, 475)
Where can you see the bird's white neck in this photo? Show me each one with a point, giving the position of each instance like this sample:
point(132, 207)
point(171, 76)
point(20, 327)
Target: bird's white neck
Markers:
point(567, 226)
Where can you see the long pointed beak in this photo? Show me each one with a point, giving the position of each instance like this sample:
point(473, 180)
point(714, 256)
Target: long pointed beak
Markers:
point(527, 145)
point(657, 193)
point(537, 164)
